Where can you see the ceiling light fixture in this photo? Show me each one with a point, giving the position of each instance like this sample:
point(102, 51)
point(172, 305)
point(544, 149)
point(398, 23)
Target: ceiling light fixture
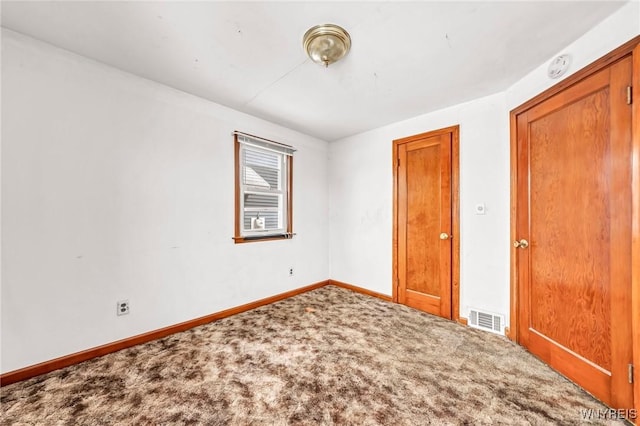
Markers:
point(326, 44)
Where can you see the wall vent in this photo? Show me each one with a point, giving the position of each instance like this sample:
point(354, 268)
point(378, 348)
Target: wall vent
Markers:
point(486, 321)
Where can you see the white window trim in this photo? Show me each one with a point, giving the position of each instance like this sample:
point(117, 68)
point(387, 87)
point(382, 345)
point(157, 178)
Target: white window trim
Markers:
point(248, 142)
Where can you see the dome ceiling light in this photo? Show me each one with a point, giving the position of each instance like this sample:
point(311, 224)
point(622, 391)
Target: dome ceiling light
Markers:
point(326, 44)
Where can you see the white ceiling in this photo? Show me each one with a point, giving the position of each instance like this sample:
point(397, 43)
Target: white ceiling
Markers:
point(407, 58)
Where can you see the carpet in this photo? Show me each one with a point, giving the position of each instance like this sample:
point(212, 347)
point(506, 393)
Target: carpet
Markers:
point(326, 357)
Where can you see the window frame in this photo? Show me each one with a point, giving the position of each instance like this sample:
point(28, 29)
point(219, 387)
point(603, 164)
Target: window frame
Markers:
point(287, 194)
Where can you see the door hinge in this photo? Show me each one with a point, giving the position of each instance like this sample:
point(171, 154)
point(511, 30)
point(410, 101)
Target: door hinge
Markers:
point(629, 95)
point(630, 373)
point(398, 163)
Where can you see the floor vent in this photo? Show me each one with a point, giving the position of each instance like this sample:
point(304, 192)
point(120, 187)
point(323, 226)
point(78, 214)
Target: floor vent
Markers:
point(486, 321)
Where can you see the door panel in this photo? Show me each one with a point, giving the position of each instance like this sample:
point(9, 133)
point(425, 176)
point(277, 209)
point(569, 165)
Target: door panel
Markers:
point(574, 208)
point(423, 220)
point(570, 220)
point(424, 212)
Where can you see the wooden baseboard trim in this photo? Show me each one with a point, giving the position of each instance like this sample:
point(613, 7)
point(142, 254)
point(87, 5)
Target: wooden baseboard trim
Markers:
point(507, 332)
point(463, 321)
point(75, 358)
point(360, 290)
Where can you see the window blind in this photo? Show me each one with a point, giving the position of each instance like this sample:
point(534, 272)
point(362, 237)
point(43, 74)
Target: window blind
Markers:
point(247, 139)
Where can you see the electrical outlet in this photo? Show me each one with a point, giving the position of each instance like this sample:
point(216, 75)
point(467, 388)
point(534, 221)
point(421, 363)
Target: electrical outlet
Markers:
point(123, 307)
point(290, 272)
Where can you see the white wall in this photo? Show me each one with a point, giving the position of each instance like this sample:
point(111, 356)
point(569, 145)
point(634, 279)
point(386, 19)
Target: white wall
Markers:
point(115, 187)
point(609, 34)
point(361, 190)
point(361, 202)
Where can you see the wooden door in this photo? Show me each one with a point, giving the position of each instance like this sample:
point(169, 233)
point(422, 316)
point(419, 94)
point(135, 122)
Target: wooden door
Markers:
point(424, 221)
point(573, 232)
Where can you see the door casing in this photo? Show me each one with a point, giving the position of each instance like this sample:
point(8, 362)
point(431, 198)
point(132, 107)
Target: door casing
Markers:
point(631, 48)
point(455, 214)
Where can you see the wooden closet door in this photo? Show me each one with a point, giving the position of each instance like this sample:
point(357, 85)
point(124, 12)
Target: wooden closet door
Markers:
point(425, 223)
point(573, 225)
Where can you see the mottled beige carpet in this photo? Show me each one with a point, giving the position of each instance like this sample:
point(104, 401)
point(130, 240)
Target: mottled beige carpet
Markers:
point(330, 357)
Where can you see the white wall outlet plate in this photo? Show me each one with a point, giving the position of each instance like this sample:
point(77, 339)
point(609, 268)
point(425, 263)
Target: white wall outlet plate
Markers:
point(123, 307)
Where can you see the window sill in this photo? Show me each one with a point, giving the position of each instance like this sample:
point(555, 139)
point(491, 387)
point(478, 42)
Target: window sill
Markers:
point(258, 238)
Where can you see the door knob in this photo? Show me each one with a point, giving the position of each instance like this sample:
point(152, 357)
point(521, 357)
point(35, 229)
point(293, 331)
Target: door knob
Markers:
point(523, 244)
point(445, 236)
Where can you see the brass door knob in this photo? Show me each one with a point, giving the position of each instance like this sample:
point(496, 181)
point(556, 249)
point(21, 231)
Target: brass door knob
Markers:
point(523, 244)
point(444, 236)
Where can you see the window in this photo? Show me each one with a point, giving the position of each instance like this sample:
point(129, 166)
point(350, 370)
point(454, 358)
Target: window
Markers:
point(263, 189)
